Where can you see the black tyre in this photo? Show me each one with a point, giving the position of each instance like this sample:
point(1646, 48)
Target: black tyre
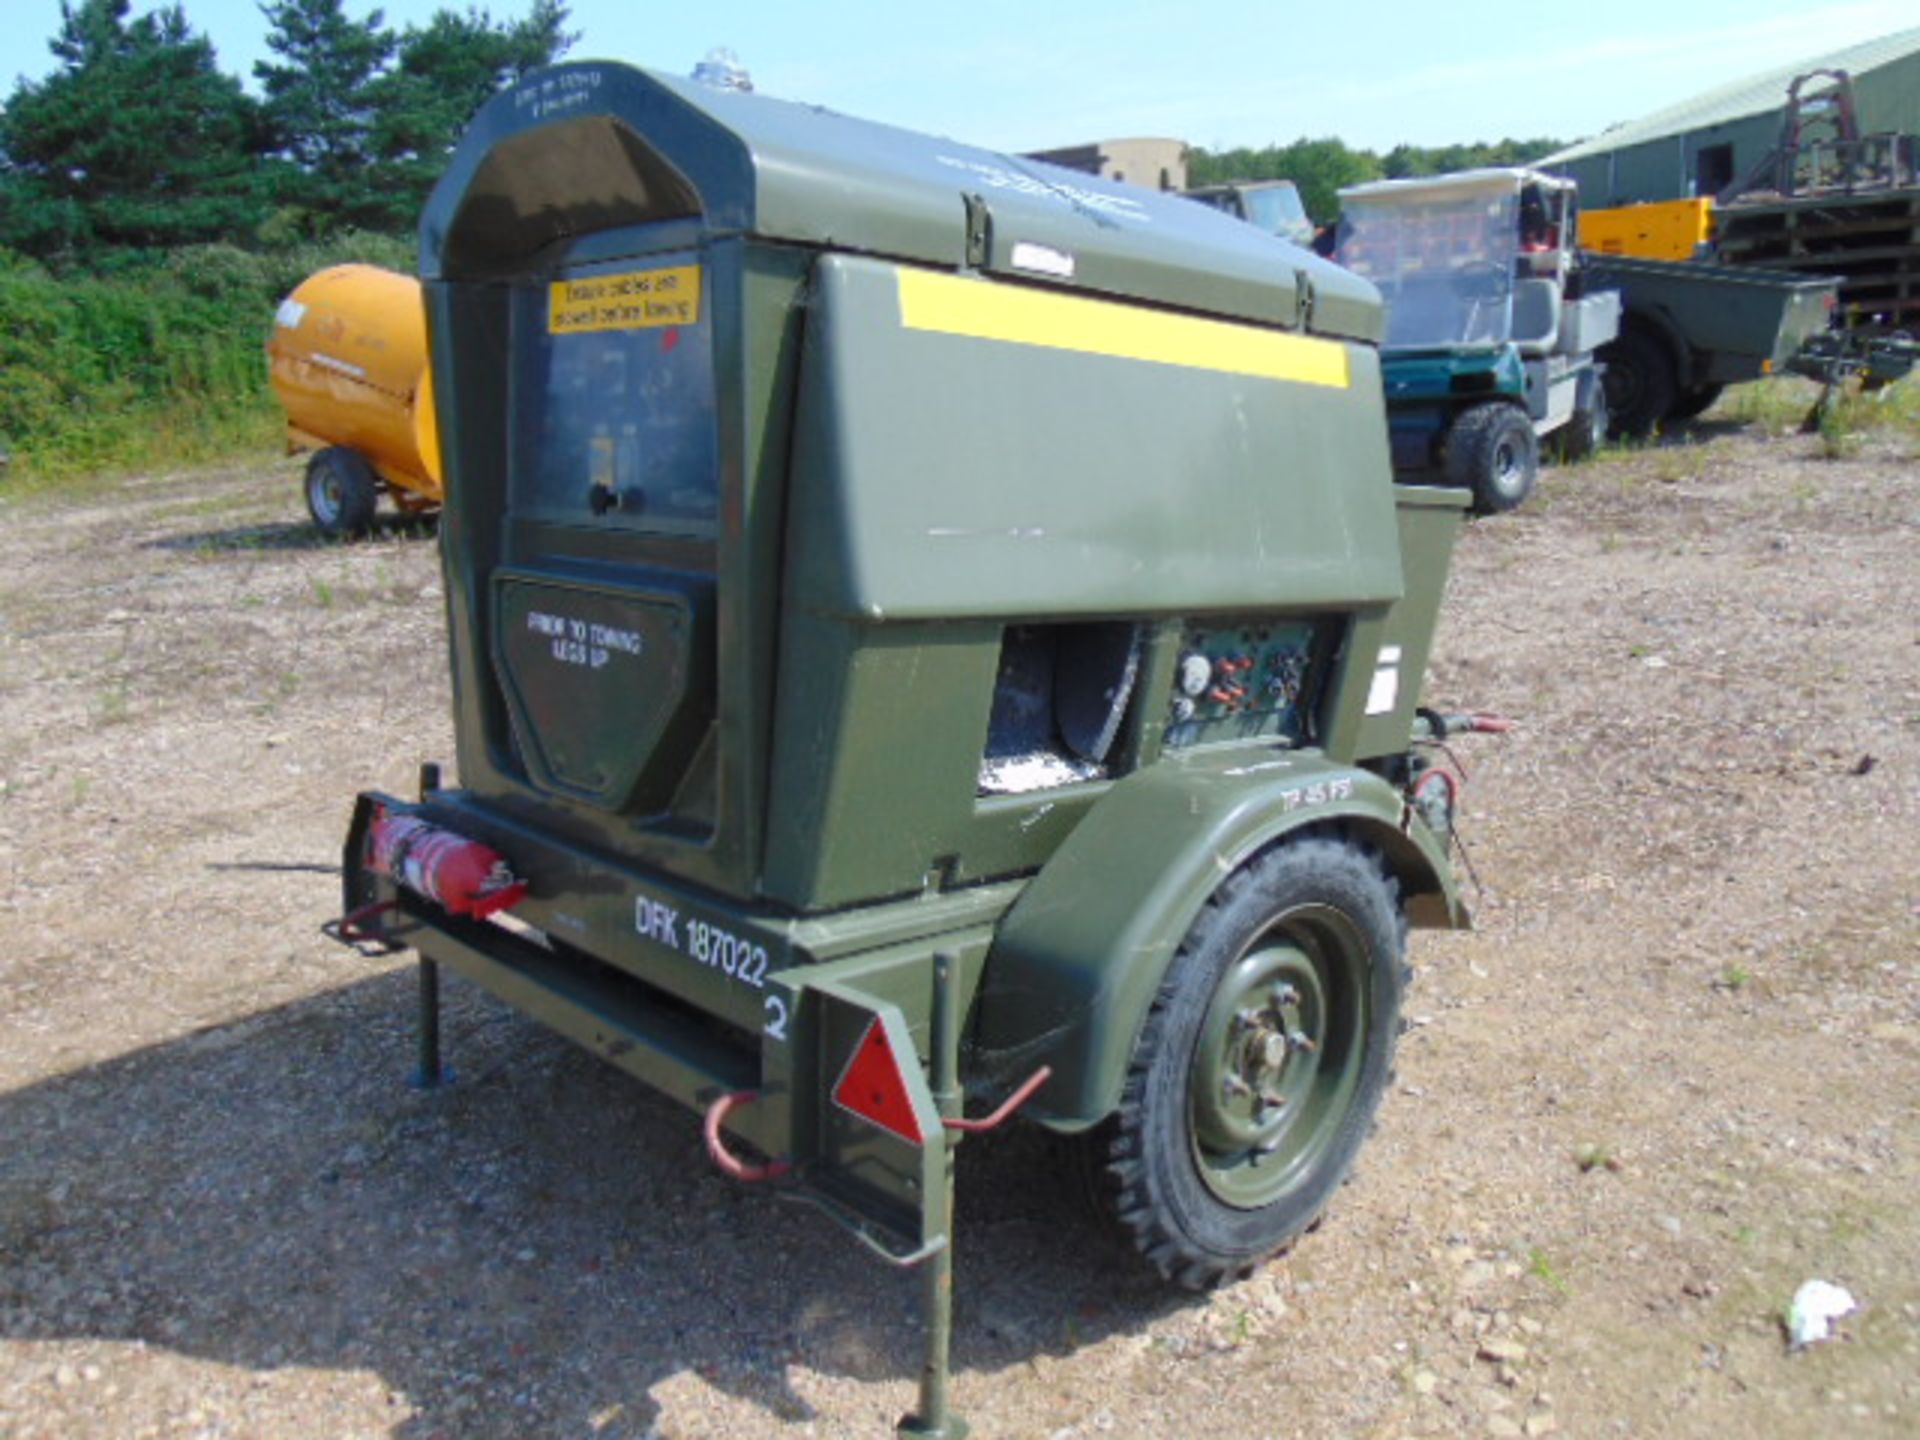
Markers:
point(342, 492)
point(1586, 432)
point(1262, 1063)
point(1641, 387)
point(1694, 402)
point(1492, 452)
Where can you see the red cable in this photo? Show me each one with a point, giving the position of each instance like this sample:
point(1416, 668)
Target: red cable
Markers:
point(728, 1162)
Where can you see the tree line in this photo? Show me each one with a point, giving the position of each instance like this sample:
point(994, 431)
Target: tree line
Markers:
point(1321, 168)
point(138, 142)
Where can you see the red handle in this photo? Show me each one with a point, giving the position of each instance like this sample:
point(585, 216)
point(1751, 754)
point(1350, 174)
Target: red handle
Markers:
point(1007, 1106)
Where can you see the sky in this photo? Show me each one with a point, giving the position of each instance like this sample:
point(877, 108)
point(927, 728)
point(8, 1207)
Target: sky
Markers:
point(1044, 73)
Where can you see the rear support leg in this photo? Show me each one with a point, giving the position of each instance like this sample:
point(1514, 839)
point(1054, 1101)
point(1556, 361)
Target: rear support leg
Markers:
point(933, 1420)
point(431, 1074)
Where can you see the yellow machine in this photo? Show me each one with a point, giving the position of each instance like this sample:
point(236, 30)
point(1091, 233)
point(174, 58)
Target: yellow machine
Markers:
point(1662, 230)
point(348, 361)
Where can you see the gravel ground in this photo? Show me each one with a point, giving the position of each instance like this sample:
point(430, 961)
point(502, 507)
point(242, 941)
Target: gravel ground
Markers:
point(1671, 1075)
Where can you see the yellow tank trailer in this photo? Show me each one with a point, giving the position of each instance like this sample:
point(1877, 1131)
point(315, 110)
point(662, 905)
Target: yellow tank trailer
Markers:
point(1663, 230)
point(348, 361)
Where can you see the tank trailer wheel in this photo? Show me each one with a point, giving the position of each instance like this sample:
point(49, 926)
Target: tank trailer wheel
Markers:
point(1641, 386)
point(1492, 452)
point(1261, 1064)
point(342, 492)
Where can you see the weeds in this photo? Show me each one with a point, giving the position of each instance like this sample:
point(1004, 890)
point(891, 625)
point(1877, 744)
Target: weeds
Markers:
point(1778, 404)
point(1839, 431)
point(1676, 464)
point(115, 707)
point(159, 365)
point(1595, 1157)
point(1541, 1268)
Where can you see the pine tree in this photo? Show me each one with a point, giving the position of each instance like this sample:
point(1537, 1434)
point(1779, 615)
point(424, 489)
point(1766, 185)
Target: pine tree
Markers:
point(136, 141)
point(443, 74)
point(321, 108)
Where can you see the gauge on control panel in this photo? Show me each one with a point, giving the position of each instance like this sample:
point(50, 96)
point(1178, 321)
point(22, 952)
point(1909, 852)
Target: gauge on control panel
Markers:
point(1196, 673)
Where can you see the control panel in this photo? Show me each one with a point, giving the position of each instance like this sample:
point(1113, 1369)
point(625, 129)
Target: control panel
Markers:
point(1241, 678)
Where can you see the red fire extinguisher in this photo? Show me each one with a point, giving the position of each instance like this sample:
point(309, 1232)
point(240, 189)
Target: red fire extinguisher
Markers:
point(461, 875)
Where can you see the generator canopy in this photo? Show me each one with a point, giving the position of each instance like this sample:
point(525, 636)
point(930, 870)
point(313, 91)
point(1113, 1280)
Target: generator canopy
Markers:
point(601, 146)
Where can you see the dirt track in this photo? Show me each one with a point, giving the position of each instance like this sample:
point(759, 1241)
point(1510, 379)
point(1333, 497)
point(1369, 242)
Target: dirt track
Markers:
point(1674, 1073)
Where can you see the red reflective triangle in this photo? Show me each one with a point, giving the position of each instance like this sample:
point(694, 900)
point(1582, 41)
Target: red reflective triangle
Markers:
point(873, 1088)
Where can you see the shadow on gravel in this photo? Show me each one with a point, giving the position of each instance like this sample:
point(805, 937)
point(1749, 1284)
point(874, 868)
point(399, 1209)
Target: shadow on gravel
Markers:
point(1698, 431)
point(292, 535)
point(531, 1251)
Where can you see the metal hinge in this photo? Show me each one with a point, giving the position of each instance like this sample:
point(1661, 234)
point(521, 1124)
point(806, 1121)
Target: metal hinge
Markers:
point(979, 232)
point(1303, 299)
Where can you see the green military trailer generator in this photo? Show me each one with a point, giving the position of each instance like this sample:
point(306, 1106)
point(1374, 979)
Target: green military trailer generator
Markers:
point(931, 634)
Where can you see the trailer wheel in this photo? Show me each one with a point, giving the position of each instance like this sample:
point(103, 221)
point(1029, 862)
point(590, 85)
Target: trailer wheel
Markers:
point(1695, 402)
point(1261, 1064)
point(1641, 387)
point(1492, 451)
point(341, 492)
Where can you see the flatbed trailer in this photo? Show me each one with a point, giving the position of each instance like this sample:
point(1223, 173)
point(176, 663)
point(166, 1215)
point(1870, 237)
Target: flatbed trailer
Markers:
point(1688, 329)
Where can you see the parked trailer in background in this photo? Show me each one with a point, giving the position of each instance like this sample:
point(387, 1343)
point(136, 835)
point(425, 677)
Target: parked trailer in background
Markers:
point(348, 361)
point(1689, 329)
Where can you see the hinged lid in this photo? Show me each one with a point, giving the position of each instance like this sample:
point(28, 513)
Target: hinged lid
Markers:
point(597, 146)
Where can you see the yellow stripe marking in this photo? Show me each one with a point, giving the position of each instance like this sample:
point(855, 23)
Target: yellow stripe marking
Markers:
point(949, 305)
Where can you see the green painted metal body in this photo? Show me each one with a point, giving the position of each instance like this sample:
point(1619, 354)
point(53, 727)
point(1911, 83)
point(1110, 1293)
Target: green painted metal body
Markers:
point(1721, 324)
point(835, 517)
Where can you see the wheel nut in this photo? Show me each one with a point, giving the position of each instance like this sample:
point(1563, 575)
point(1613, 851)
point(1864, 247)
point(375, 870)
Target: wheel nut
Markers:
point(1299, 1040)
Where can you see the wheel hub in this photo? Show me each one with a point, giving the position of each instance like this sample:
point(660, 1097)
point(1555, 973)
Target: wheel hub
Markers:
point(1278, 1058)
point(324, 489)
point(1258, 1053)
point(1259, 1048)
point(1506, 463)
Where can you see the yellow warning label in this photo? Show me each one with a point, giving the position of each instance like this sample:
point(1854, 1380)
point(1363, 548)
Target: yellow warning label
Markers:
point(631, 300)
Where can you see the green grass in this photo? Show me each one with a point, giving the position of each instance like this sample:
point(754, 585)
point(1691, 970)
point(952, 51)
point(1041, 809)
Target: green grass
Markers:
point(1593, 1157)
point(1542, 1269)
point(1782, 404)
point(1778, 404)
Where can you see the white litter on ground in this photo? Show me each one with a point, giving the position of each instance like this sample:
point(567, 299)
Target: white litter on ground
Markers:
point(1816, 1305)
